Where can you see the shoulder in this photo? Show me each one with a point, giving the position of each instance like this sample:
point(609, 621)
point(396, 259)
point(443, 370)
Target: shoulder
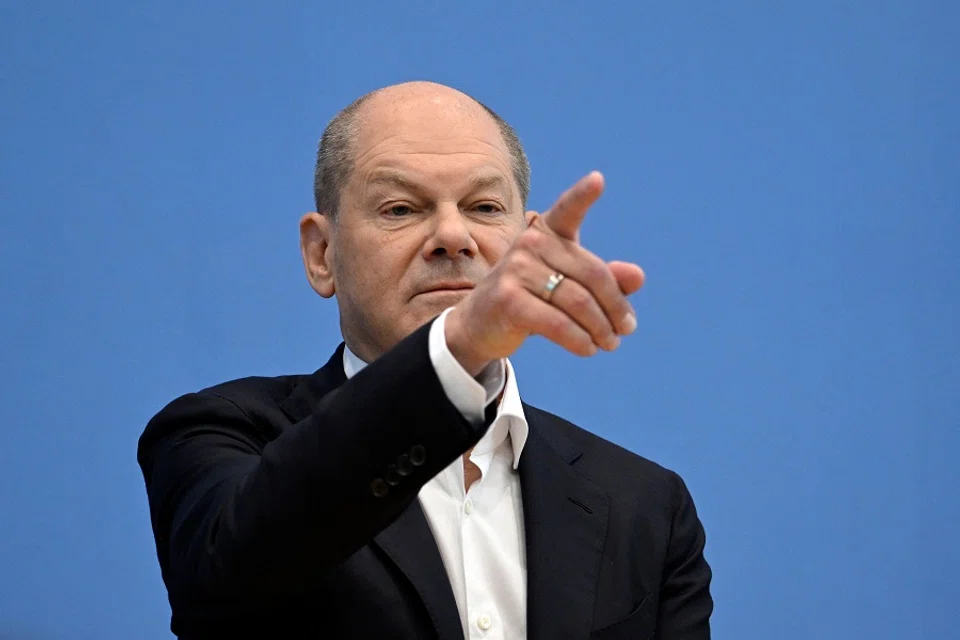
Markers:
point(622, 473)
point(254, 390)
point(249, 394)
point(243, 403)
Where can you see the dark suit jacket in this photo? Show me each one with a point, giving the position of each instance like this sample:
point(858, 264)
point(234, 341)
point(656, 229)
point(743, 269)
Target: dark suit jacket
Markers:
point(287, 508)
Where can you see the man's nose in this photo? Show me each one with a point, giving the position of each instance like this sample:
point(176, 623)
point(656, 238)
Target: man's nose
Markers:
point(450, 234)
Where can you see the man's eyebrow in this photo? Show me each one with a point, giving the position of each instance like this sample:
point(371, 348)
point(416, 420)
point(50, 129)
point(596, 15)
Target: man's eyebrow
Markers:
point(395, 178)
point(484, 181)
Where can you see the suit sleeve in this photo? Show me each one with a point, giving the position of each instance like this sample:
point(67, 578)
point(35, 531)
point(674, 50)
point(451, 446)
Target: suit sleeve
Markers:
point(242, 518)
point(685, 600)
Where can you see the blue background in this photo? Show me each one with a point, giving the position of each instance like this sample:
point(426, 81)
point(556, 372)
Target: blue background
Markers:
point(787, 173)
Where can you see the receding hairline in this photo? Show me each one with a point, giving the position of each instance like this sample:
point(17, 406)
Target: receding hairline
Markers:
point(359, 111)
point(337, 150)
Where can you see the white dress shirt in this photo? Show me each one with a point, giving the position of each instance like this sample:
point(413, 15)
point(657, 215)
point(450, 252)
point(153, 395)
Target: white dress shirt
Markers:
point(479, 531)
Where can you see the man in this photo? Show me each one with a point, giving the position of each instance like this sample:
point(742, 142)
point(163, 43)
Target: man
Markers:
point(403, 490)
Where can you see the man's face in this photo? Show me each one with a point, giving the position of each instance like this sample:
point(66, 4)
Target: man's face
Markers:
point(430, 207)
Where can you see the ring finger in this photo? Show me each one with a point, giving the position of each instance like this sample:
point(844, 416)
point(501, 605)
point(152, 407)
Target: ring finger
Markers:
point(578, 303)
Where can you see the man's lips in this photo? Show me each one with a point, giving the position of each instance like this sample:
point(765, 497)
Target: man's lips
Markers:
point(443, 287)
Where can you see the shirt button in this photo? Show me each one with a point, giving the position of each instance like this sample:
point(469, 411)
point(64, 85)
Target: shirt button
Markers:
point(468, 507)
point(484, 622)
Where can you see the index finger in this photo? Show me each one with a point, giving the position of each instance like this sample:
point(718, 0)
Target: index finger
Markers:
point(567, 213)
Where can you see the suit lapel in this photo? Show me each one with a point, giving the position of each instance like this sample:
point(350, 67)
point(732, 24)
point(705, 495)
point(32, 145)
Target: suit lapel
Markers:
point(408, 541)
point(565, 518)
point(411, 545)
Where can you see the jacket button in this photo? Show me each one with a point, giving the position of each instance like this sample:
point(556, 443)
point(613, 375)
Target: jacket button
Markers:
point(404, 468)
point(379, 488)
point(391, 476)
point(418, 455)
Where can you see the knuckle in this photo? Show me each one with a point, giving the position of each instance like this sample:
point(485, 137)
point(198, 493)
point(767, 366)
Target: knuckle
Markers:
point(531, 240)
point(519, 260)
point(596, 272)
point(580, 301)
point(512, 318)
point(556, 325)
point(507, 294)
point(523, 241)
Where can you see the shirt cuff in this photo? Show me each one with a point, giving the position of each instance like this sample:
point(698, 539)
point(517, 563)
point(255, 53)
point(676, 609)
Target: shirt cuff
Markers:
point(469, 395)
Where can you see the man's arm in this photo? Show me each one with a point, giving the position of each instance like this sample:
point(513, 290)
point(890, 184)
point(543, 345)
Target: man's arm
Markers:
point(685, 601)
point(242, 519)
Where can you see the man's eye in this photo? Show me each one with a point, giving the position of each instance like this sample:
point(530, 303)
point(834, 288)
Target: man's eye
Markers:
point(399, 210)
point(487, 207)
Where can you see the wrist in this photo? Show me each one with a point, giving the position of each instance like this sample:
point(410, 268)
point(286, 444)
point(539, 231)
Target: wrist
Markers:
point(460, 345)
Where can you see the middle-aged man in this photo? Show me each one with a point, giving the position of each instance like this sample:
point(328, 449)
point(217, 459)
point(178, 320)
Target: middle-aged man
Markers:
point(403, 490)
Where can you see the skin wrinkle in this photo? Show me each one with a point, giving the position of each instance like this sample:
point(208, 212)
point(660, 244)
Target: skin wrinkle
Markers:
point(403, 159)
point(402, 141)
point(376, 264)
point(429, 143)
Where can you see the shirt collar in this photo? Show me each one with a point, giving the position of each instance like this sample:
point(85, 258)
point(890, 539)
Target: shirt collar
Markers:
point(510, 418)
point(352, 364)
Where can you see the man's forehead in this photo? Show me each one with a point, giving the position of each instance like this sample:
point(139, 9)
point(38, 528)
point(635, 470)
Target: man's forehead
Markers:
point(416, 135)
point(455, 154)
point(426, 121)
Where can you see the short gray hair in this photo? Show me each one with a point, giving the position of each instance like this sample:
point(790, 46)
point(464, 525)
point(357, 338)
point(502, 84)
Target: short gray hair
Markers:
point(335, 156)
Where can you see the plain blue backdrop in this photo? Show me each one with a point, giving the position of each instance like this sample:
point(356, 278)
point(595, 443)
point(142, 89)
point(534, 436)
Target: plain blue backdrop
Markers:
point(788, 174)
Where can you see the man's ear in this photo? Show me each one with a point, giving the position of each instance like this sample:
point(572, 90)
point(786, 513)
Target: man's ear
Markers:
point(315, 246)
point(531, 216)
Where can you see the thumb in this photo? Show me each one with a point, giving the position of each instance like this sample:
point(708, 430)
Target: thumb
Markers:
point(629, 276)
